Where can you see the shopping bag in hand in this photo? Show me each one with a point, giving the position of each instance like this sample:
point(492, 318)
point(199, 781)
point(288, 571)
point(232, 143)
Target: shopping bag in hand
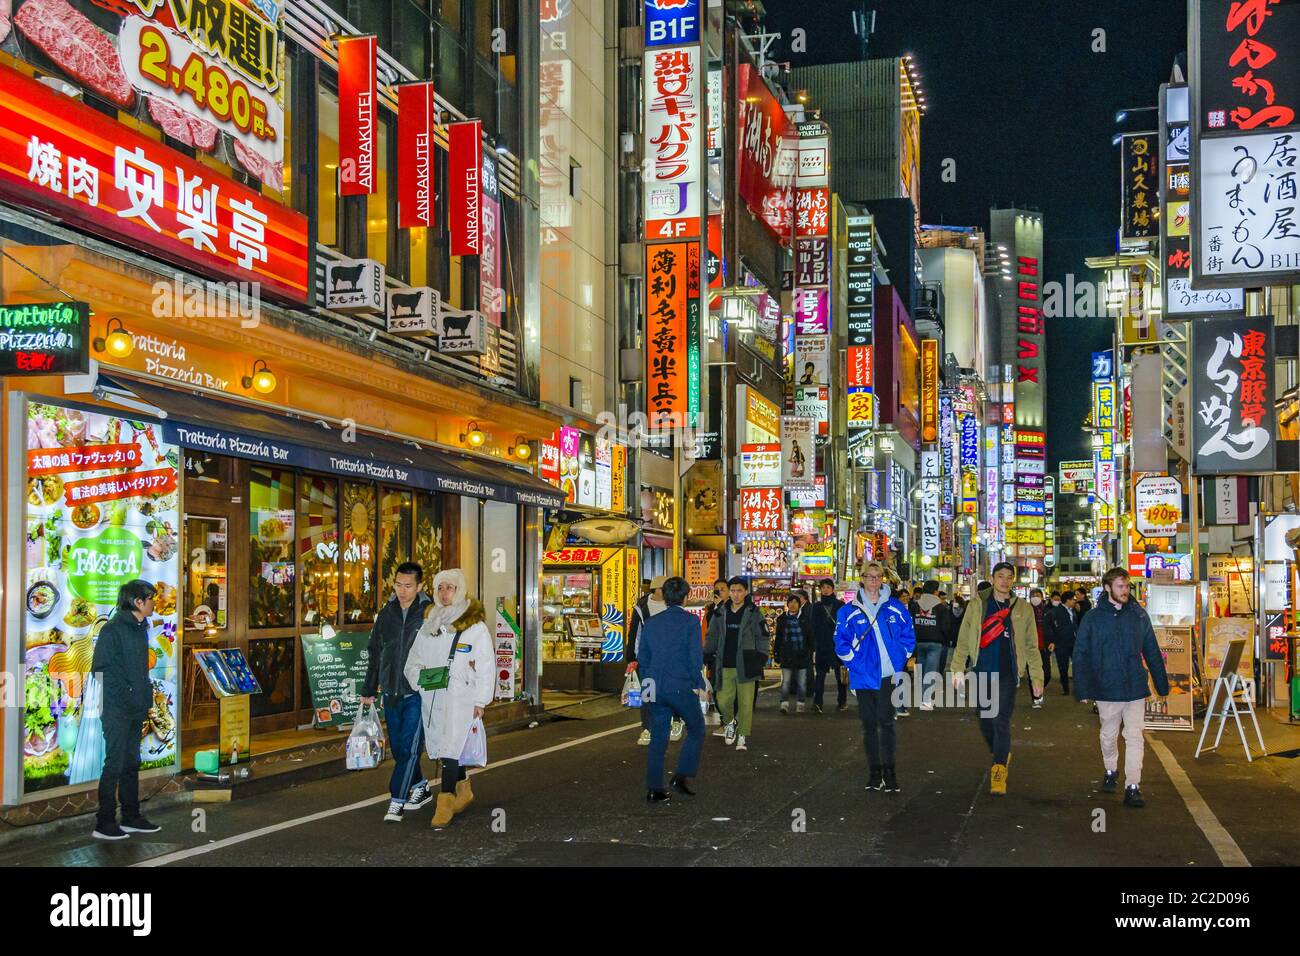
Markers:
point(711, 716)
point(475, 752)
point(365, 748)
point(632, 690)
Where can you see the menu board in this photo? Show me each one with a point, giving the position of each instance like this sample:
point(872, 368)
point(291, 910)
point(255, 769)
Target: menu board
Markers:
point(336, 671)
point(101, 509)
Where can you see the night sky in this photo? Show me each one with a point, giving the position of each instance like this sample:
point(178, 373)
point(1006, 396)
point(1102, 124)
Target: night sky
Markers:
point(1017, 97)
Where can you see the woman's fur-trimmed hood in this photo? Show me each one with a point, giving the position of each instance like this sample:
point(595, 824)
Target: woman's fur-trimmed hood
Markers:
point(474, 614)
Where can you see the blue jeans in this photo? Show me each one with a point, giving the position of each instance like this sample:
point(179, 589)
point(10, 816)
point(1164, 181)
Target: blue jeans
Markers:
point(406, 739)
point(794, 682)
point(685, 705)
point(929, 658)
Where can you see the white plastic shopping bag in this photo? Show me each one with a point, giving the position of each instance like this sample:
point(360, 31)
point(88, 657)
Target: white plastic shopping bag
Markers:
point(632, 690)
point(711, 717)
point(365, 748)
point(475, 752)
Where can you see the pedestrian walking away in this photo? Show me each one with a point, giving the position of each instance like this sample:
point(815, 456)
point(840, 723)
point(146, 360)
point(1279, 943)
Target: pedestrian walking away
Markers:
point(738, 639)
point(932, 619)
point(1109, 651)
point(792, 651)
point(874, 637)
point(121, 664)
point(810, 616)
point(646, 608)
point(453, 662)
point(825, 658)
point(998, 632)
point(1064, 625)
point(672, 675)
point(391, 639)
point(1044, 655)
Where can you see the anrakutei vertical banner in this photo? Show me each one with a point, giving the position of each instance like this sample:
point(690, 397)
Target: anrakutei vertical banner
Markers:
point(416, 117)
point(465, 186)
point(357, 88)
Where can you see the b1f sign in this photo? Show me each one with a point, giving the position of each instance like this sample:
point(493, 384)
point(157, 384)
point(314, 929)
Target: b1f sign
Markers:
point(672, 22)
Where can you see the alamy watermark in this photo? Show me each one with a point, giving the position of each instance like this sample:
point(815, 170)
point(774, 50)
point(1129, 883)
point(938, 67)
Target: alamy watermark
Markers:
point(192, 298)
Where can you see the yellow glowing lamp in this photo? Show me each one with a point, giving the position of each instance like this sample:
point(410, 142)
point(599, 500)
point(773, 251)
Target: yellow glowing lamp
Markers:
point(117, 341)
point(262, 380)
point(521, 449)
point(473, 436)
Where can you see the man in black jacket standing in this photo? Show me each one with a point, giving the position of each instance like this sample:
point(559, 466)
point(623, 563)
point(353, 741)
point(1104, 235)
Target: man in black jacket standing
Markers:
point(391, 638)
point(121, 662)
point(825, 657)
point(1113, 642)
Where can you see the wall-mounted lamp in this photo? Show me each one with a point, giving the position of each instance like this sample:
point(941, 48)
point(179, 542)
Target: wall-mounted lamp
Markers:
point(261, 380)
point(473, 436)
point(521, 450)
point(116, 341)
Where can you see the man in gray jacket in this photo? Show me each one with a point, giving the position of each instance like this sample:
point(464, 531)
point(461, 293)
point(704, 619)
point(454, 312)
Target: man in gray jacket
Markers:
point(738, 639)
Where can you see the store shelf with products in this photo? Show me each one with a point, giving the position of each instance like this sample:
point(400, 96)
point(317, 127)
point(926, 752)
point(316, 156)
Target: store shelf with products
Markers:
point(571, 624)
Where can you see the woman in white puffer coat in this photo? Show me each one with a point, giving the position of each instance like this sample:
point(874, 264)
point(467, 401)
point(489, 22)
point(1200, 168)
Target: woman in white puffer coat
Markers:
point(449, 714)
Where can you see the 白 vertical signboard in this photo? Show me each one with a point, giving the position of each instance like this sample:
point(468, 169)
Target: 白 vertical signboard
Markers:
point(1245, 84)
point(1234, 421)
point(357, 91)
point(667, 388)
point(465, 186)
point(100, 509)
point(673, 116)
point(416, 117)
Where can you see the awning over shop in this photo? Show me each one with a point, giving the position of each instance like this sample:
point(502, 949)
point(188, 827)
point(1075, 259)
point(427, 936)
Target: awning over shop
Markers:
point(199, 421)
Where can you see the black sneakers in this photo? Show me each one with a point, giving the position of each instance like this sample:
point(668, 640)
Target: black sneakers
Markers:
point(656, 796)
point(681, 786)
point(109, 831)
point(891, 780)
point(1133, 797)
point(877, 781)
point(140, 825)
point(1110, 781)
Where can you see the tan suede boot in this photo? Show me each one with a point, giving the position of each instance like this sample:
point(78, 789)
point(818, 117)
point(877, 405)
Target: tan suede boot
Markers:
point(464, 795)
point(445, 810)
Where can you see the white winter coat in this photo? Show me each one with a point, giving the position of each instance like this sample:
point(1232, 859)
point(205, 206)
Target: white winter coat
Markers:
point(448, 714)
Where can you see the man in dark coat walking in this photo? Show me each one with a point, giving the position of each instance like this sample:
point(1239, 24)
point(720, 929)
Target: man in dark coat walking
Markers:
point(825, 658)
point(1062, 625)
point(1113, 642)
point(121, 662)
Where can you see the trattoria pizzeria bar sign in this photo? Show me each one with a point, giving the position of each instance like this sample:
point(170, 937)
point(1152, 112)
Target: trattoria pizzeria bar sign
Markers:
point(45, 338)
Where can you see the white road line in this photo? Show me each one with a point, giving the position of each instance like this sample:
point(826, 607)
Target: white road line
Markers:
point(360, 804)
point(1219, 838)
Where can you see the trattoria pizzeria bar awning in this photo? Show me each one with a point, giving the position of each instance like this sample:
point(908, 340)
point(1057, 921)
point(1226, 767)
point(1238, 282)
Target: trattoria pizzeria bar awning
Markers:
point(203, 422)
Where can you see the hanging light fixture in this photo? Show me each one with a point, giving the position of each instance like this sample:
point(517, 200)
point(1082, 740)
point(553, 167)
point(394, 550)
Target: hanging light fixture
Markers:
point(116, 341)
point(522, 449)
point(473, 436)
point(262, 378)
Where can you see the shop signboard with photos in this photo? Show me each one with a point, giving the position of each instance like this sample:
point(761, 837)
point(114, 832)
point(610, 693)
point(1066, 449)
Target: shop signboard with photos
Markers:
point(101, 508)
point(798, 452)
point(1172, 609)
point(1234, 420)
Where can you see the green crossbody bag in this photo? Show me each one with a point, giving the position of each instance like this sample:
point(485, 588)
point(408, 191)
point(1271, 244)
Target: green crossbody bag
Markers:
point(437, 678)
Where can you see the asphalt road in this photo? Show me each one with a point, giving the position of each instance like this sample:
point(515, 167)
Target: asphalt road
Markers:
point(571, 793)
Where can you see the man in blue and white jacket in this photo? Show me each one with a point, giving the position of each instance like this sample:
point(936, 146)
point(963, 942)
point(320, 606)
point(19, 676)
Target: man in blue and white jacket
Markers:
point(874, 636)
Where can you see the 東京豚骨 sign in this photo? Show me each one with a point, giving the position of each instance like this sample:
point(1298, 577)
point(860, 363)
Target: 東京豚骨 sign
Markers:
point(45, 338)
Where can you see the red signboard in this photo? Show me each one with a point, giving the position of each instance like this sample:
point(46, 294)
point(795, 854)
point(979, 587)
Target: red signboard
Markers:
point(812, 212)
point(548, 459)
point(667, 381)
point(62, 461)
point(860, 372)
point(1247, 68)
point(87, 491)
point(357, 116)
point(92, 172)
point(416, 116)
point(768, 153)
point(465, 186)
point(761, 509)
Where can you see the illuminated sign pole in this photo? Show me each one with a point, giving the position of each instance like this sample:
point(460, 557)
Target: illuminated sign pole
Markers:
point(673, 175)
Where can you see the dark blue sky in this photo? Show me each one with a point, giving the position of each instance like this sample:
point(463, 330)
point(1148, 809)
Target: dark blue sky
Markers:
point(1019, 99)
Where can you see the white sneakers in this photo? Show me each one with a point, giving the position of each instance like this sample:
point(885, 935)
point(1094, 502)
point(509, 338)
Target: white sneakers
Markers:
point(644, 739)
point(677, 730)
point(394, 814)
point(740, 744)
point(785, 707)
point(798, 708)
point(927, 705)
point(1038, 703)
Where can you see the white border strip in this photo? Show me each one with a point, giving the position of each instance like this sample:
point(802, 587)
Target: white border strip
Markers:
point(1220, 839)
point(360, 804)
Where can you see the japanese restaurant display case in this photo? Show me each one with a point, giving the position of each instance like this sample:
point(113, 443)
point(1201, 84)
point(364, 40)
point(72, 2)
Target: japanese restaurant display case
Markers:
point(587, 596)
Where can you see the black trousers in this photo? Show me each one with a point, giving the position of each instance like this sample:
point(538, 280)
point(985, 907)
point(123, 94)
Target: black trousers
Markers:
point(1063, 665)
point(819, 686)
point(997, 728)
point(879, 733)
point(1046, 657)
point(452, 774)
point(120, 778)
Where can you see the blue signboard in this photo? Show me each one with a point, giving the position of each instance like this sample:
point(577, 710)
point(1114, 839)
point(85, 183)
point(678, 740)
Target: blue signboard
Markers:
point(672, 22)
point(970, 441)
point(1102, 366)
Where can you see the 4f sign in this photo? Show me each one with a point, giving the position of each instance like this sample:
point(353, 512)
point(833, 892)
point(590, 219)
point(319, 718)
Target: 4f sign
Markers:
point(672, 22)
